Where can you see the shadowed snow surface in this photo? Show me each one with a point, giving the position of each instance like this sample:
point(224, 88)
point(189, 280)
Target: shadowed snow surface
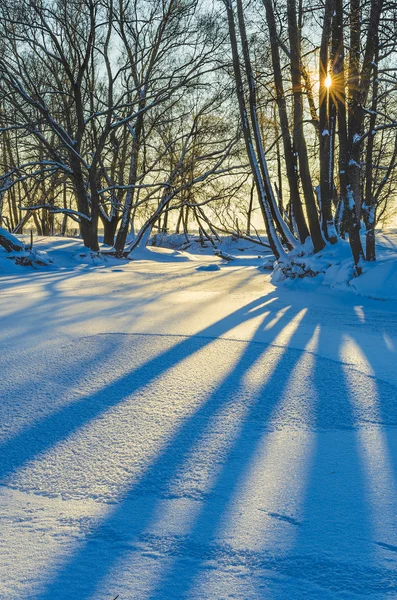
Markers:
point(171, 433)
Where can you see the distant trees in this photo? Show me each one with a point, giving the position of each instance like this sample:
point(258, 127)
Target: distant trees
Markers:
point(84, 85)
point(116, 114)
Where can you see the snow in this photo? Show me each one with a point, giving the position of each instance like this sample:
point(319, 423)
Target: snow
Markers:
point(353, 163)
point(175, 433)
point(378, 280)
point(333, 268)
point(210, 267)
point(160, 255)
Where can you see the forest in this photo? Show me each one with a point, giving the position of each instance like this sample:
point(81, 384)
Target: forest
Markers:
point(124, 118)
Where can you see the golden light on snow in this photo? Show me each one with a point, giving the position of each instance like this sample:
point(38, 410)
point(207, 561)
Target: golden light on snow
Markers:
point(328, 81)
point(381, 488)
point(275, 480)
point(176, 516)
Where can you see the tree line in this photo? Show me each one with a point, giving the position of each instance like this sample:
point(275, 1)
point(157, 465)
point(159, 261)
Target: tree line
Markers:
point(132, 114)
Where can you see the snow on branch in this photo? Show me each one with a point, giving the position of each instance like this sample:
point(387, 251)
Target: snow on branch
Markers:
point(73, 214)
point(10, 242)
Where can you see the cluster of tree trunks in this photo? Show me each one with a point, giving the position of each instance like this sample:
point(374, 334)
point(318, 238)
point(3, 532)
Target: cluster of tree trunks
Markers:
point(342, 101)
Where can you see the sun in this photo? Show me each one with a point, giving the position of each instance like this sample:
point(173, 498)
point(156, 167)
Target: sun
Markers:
point(328, 81)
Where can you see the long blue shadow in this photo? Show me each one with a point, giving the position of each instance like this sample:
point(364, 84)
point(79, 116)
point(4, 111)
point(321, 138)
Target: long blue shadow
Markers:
point(328, 558)
point(60, 424)
point(118, 533)
point(336, 517)
point(202, 541)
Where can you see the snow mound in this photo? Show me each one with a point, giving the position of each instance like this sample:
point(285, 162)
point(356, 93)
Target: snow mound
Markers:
point(212, 267)
point(160, 255)
point(302, 263)
point(12, 262)
point(333, 267)
point(379, 280)
point(14, 251)
point(88, 257)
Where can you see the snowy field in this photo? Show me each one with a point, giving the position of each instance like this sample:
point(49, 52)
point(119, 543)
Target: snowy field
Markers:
point(176, 427)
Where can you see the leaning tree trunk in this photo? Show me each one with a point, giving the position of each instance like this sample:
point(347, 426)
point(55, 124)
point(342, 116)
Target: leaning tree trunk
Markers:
point(299, 136)
point(290, 158)
point(143, 234)
point(285, 233)
point(9, 242)
point(274, 242)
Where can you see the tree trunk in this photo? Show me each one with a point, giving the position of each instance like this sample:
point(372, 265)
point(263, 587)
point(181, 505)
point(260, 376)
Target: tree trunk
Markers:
point(263, 200)
point(179, 221)
point(89, 226)
point(359, 85)
point(109, 230)
point(326, 154)
point(369, 206)
point(299, 137)
point(128, 205)
point(249, 213)
point(285, 234)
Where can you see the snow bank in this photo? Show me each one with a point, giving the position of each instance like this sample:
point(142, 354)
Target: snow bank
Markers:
point(330, 268)
point(379, 280)
point(211, 267)
point(14, 254)
point(226, 244)
point(333, 267)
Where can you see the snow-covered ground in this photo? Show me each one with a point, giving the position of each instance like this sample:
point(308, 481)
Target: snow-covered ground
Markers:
point(174, 432)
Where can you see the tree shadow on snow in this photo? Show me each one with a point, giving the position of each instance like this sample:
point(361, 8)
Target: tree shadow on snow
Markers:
point(271, 480)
